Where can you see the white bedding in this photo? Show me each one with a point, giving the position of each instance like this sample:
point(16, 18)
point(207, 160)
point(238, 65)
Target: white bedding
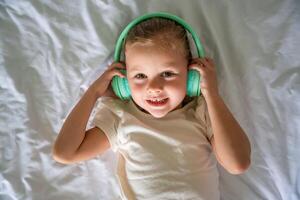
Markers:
point(50, 51)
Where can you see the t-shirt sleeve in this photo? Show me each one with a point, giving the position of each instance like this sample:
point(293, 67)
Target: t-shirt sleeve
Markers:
point(202, 115)
point(108, 122)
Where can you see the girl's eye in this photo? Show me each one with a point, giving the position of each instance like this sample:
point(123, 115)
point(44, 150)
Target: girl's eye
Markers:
point(140, 76)
point(167, 74)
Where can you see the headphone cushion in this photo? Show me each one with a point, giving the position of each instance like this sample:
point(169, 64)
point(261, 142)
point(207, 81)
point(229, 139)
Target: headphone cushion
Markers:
point(193, 83)
point(121, 87)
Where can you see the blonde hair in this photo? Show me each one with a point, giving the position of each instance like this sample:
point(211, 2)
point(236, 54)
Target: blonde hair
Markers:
point(164, 33)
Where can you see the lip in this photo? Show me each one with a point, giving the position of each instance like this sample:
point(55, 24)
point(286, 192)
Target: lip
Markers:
point(158, 104)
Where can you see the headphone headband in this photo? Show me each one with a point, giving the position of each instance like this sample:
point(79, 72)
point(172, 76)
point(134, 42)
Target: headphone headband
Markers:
point(123, 35)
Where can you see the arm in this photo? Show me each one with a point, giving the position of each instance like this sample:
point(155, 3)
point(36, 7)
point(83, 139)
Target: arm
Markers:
point(74, 143)
point(229, 142)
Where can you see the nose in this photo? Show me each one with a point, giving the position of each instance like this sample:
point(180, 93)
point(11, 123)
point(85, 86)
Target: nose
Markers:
point(155, 86)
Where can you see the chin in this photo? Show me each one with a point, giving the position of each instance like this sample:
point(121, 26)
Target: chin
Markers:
point(158, 115)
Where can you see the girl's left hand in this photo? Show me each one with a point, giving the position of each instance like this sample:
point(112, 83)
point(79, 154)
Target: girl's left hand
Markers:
point(206, 68)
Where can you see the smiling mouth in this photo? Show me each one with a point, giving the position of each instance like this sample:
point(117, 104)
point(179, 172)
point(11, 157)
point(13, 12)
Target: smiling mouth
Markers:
point(158, 102)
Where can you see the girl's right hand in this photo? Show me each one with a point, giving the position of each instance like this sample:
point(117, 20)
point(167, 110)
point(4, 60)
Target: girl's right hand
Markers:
point(102, 87)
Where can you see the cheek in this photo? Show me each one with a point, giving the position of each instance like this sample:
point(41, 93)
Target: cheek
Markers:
point(178, 84)
point(176, 88)
point(136, 89)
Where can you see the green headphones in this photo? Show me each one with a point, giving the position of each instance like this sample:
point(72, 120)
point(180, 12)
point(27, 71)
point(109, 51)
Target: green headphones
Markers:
point(120, 85)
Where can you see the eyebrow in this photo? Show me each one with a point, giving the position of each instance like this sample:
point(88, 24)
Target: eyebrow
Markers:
point(167, 65)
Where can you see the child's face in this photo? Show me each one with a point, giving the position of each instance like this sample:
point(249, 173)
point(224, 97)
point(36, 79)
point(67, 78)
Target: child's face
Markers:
point(156, 75)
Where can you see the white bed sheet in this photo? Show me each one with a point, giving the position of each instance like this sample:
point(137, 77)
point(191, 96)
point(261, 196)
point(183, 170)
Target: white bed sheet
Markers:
point(50, 51)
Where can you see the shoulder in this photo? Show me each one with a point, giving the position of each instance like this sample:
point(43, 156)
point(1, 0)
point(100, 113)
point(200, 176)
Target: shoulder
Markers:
point(116, 106)
point(194, 102)
point(201, 103)
point(201, 109)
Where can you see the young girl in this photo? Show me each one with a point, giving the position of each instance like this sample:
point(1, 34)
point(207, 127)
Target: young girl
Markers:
point(168, 144)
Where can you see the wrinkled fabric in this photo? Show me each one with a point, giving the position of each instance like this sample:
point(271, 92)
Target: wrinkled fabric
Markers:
point(51, 51)
point(166, 158)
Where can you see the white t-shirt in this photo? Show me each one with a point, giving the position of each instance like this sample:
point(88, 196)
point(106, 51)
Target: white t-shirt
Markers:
point(165, 158)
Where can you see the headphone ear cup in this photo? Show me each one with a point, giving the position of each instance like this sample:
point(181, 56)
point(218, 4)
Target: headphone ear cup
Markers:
point(121, 87)
point(193, 83)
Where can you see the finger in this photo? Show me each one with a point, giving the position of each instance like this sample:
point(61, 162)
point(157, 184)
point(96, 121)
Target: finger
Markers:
point(196, 60)
point(201, 65)
point(204, 63)
point(119, 64)
point(200, 62)
point(210, 62)
point(198, 68)
point(116, 72)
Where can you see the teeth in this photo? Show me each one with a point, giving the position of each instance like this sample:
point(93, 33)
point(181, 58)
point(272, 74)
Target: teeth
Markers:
point(157, 100)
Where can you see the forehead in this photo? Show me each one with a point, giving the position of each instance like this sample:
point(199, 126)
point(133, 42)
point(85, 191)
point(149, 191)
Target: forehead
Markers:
point(138, 57)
